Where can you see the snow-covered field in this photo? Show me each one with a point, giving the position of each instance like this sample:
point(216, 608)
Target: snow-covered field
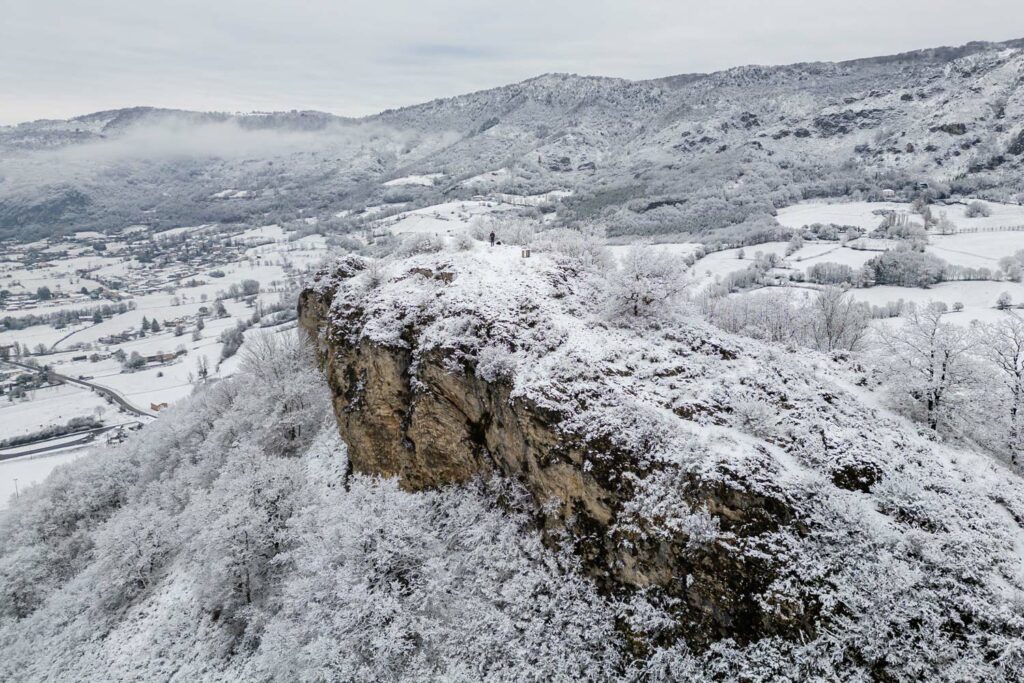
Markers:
point(978, 297)
point(425, 180)
point(976, 250)
point(862, 214)
point(444, 220)
point(48, 406)
point(981, 247)
point(718, 264)
point(17, 474)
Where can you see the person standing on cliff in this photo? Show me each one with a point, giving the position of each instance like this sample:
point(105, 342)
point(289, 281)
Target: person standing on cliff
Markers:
point(492, 238)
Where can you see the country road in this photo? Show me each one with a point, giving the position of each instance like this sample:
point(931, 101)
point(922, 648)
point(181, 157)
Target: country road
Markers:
point(87, 436)
point(54, 345)
point(104, 391)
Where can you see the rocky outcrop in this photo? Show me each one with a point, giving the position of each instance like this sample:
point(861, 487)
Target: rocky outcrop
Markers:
point(431, 425)
point(729, 488)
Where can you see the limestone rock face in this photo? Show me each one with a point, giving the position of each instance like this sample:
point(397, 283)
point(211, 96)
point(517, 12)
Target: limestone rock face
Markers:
point(431, 426)
point(754, 500)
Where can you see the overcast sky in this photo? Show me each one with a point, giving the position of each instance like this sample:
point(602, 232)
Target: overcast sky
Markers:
point(61, 58)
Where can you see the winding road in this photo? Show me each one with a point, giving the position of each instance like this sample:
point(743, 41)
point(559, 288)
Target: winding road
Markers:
point(86, 436)
point(103, 391)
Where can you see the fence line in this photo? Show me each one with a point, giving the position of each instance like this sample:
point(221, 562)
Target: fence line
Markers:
point(998, 228)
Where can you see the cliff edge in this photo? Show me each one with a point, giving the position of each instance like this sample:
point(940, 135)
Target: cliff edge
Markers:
point(728, 495)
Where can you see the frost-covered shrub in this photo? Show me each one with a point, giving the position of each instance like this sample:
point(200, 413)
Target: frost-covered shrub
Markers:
point(232, 338)
point(749, 231)
point(463, 241)
point(898, 226)
point(905, 268)
point(586, 247)
point(839, 322)
point(375, 273)
point(495, 363)
point(829, 273)
point(977, 208)
point(363, 595)
point(421, 243)
point(824, 231)
point(1013, 265)
point(775, 315)
point(755, 417)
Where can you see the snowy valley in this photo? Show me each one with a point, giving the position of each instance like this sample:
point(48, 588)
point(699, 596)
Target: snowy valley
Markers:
point(715, 377)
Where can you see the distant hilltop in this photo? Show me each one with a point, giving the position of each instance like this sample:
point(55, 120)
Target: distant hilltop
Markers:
point(690, 153)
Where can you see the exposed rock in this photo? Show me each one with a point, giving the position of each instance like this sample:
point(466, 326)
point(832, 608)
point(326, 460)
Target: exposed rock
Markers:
point(951, 128)
point(558, 164)
point(640, 454)
point(1017, 146)
point(843, 122)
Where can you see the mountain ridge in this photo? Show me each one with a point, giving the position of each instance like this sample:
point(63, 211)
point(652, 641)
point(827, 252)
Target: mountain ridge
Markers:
point(707, 151)
point(942, 53)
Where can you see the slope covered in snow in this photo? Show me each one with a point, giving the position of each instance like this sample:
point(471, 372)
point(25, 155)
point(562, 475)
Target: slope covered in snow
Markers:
point(753, 510)
point(228, 541)
point(682, 154)
point(686, 505)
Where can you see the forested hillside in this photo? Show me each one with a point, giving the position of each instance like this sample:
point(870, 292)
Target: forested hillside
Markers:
point(554, 471)
point(229, 542)
point(681, 154)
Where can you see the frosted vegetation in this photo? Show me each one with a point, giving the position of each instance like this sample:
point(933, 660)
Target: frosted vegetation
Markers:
point(228, 540)
point(695, 154)
point(894, 517)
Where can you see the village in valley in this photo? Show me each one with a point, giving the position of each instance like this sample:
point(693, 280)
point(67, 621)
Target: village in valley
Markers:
point(99, 333)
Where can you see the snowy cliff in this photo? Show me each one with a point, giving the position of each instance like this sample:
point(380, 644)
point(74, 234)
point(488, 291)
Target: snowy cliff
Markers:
point(525, 488)
point(740, 505)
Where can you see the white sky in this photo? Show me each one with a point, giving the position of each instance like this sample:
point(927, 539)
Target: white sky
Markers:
point(61, 58)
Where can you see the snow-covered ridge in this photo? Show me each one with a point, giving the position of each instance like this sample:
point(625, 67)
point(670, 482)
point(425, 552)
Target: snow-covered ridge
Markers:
point(681, 154)
point(750, 493)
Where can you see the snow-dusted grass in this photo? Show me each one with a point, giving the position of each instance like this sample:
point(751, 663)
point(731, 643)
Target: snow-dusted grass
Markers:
point(37, 334)
point(861, 214)
point(423, 180)
point(17, 474)
point(828, 252)
point(50, 406)
point(976, 250)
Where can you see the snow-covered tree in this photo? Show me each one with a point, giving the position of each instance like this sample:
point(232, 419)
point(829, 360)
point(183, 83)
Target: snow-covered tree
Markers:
point(647, 284)
point(839, 321)
point(932, 361)
point(1002, 344)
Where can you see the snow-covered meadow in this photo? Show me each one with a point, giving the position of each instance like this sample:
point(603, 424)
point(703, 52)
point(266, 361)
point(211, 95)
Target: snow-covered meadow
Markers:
point(17, 474)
